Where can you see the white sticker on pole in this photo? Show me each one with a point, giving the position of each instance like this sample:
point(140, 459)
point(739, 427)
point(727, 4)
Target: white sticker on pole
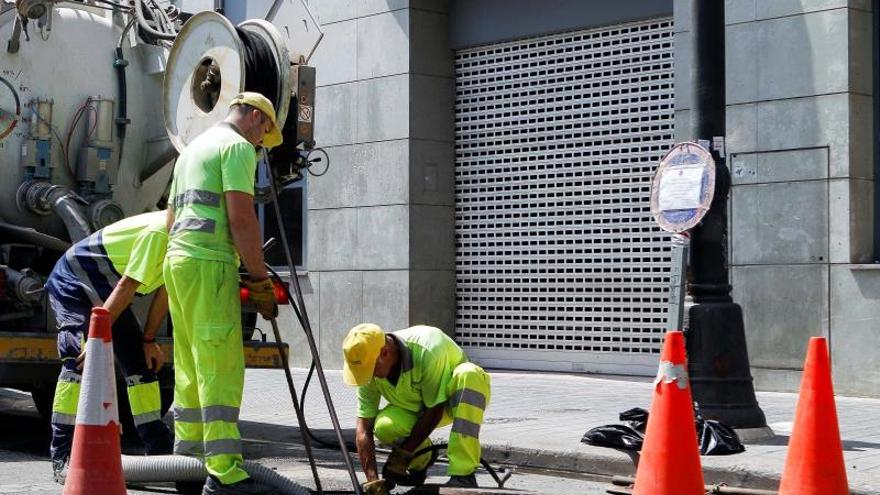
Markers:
point(680, 188)
point(683, 187)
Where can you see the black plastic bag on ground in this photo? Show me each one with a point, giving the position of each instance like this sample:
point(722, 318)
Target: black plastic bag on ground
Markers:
point(714, 438)
point(636, 418)
point(717, 438)
point(614, 436)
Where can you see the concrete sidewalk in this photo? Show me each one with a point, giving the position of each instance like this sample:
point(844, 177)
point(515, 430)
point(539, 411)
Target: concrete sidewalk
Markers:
point(538, 419)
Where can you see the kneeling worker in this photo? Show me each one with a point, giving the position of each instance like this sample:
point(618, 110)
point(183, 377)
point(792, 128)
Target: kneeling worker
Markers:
point(428, 383)
point(107, 269)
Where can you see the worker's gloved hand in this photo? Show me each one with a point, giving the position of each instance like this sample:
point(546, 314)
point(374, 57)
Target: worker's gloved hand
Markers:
point(397, 463)
point(262, 295)
point(376, 487)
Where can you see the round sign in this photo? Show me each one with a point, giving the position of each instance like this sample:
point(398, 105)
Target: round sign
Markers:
point(683, 187)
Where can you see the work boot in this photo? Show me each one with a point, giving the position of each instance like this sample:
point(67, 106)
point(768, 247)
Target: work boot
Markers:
point(417, 478)
point(164, 446)
point(467, 481)
point(244, 487)
point(189, 487)
point(59, 469)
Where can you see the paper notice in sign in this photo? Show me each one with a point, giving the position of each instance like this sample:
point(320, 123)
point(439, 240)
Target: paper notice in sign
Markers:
point(681, 188)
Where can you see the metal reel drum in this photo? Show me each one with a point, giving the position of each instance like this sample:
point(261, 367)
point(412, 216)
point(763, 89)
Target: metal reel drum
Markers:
point(206, 69)
point(270, 34)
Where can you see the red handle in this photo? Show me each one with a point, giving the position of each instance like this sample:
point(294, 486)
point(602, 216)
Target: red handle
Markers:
point(280, 294)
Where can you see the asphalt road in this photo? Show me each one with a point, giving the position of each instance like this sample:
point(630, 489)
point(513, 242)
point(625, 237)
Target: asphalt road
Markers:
point(25, 469)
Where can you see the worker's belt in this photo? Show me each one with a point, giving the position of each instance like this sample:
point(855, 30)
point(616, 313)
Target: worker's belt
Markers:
point(197, 197)
point(206, 225)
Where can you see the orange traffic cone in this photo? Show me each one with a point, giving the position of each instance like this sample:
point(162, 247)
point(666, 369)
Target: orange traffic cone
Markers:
point(670, 457)
point(814, 464)
point(96, 457)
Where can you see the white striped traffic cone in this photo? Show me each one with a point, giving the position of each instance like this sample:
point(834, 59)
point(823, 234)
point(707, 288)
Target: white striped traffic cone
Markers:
point(96, 457)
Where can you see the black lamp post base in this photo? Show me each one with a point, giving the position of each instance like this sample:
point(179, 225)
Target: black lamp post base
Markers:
point(718, 365)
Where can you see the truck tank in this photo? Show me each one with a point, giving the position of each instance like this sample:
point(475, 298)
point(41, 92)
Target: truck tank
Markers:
point(63, 72)
point(72, 161)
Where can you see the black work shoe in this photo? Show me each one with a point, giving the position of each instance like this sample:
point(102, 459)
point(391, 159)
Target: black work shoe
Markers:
point(467, 481)
point(189, 487)
point(244, 487)
point(59, 469)
point(164, 446)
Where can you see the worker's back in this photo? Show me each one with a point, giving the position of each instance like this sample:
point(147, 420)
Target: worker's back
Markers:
point(134, 246)
point(217, 161)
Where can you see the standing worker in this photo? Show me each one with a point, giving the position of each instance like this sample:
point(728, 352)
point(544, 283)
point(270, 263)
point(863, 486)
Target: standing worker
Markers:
point(428, 382)
point(212, 226)
point(107, 269)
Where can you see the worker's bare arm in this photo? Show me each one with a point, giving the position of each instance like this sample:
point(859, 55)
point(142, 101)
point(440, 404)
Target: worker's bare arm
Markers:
point(366, 447)
point(423, 427)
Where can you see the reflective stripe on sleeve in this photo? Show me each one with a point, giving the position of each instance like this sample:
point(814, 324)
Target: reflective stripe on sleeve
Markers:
point(206, 225)
point(197, 197)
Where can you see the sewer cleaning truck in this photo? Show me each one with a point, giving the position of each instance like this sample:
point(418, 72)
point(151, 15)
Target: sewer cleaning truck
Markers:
point(97, 97)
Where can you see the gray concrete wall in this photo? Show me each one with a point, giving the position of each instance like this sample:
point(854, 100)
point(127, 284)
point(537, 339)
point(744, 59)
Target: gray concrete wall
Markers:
point(799, 124)
point(381, 241)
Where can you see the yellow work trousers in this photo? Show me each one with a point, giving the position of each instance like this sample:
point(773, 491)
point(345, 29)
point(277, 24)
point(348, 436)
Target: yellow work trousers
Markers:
point(469, 392)
point(203, 299)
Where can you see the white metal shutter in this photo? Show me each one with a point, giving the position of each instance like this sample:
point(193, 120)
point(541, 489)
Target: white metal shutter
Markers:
point(559, 265)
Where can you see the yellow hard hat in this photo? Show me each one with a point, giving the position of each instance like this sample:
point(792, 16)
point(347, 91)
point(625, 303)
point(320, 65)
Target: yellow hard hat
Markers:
point(273, 138)
point(361, 348)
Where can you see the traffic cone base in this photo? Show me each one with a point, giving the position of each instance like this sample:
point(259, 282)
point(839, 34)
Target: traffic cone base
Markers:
point(96, 457)
point(89, 475)
point(670, 459)
point(814, 464)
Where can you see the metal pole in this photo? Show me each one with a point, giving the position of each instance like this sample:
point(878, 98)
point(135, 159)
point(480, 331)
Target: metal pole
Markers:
point(307, 327)
point(875, 15)
point(718, 361)
point(677, 283)
point(300, 417)
point(273, 9)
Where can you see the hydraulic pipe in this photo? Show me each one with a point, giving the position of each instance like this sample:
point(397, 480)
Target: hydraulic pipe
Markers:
point(31, 236)
point(26, 286)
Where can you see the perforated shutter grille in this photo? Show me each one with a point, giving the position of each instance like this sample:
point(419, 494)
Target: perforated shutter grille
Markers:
point(556, 141)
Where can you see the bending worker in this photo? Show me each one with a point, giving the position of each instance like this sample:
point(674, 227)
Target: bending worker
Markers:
point(107, 269)
point(428, 382)
point(212, 226)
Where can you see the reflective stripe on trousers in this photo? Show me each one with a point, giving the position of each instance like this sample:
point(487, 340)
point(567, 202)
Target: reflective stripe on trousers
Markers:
point(208, 363)
point(469, 392)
